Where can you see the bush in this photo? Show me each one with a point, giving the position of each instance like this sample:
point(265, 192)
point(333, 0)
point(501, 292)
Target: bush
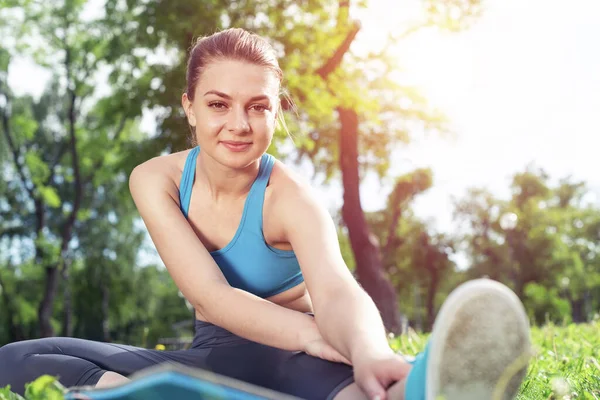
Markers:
point(45, 387)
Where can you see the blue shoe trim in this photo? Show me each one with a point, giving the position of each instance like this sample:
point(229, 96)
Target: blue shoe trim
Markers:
point(417, 377)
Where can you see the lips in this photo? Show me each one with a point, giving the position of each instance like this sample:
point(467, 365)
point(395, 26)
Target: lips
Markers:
point(236, 146)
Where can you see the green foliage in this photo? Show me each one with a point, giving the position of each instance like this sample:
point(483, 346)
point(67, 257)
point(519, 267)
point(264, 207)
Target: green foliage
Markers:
point(565, 365)
point(72, 147)
point(45, 387)
point(566, 361)
point(545, 303)
point(6, 394)
point(542, 235)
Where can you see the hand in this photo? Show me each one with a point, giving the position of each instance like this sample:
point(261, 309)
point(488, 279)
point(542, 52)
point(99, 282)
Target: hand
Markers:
point(315, 345)
point(320, 348)
point(375, 373)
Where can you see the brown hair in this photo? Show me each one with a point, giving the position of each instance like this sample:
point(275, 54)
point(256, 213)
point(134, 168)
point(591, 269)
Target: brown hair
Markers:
point(230, 44)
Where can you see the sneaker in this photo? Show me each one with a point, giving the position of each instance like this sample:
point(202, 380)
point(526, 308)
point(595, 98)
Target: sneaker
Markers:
point(479, 348)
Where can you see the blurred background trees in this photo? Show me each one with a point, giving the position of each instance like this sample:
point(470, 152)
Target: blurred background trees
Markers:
point(75, 259)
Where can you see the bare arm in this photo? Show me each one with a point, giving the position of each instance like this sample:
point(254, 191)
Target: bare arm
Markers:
point(345, 314)
point(200, 279)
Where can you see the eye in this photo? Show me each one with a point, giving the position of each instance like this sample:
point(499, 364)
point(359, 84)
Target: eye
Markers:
point(218, 105)
point(259, 107)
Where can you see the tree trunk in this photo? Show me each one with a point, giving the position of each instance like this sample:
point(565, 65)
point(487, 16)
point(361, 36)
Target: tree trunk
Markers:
point(105, 312)
point(418, 321)
point(369, 263)
point(15, 329)
point(519, 286)
point(577, 310)
point(46, 306)
point(67, 326)
point(433, 287)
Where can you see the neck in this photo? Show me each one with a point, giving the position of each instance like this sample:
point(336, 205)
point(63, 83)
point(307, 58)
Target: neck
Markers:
point(223, 181)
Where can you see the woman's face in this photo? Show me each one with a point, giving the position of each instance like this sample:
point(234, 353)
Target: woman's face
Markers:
point(234, 111)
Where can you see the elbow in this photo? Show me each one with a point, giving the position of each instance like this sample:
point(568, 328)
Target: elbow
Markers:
point(199, 308)
point(210, 304)
point(203, 312)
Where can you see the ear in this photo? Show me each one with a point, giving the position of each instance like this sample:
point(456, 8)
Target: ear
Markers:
point(188, 109)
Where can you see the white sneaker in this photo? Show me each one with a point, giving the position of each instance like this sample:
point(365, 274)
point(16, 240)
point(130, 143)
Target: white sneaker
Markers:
point(481, 344)
point(479, 348)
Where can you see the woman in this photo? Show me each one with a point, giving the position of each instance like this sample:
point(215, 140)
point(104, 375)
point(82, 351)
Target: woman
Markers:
point(257, 255)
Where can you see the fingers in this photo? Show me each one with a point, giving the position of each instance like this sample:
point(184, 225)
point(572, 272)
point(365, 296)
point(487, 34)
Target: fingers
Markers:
point(400, 370)
point(372, 388)
point(393, 372)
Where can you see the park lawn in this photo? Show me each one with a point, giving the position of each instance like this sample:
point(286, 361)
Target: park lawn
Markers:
point(566, 365)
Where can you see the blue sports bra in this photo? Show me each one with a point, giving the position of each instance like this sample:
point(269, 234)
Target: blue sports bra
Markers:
point(248, 262)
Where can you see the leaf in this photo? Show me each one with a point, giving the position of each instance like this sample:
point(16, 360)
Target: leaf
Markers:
point(45, 387)
point(25, 126)
point(37, 167)
point(84, 214)
point(6, 394)
point(4, 60)
point(50, 196)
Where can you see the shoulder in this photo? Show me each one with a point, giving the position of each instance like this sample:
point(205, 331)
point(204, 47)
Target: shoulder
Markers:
point(158, 174)
point(292, 196)
point(286, 184)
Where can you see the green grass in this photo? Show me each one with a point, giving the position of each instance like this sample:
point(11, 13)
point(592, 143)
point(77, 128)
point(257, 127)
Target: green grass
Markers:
point(566, 365)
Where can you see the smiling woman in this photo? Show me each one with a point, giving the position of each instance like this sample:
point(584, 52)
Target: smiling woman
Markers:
point(256, 106)
point(257, 255)
point(238, 117)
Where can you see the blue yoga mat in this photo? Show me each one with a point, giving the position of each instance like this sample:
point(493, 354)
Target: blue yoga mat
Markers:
point(181, 383)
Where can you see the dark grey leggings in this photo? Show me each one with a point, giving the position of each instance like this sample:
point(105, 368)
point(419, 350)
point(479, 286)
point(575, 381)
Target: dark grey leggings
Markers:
point(79, 362)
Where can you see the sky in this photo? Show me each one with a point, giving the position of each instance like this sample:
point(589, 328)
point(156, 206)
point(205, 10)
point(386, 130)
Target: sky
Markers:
point(521, 85)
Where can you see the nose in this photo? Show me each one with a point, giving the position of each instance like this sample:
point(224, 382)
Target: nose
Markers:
point(238, 121)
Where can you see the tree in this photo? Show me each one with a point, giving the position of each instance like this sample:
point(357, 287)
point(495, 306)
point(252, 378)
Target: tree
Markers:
point(54, 143)
point(578, 225)
point(372, 120)
point(540, 241)
point(416, 260)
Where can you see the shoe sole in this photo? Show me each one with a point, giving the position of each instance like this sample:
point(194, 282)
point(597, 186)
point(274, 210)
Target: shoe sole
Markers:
point(481, 344)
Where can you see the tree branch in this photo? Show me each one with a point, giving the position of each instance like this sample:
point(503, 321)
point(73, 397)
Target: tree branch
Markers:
point(99, 164)
point(61, 152)
point(68, 226)
point(13, 231)
point(414, 28)
point(13, 149)
point(393, 241)
point(336, 59)
point(37, 201)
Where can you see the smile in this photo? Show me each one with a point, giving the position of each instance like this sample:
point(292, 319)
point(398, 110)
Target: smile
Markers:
point(236, 146)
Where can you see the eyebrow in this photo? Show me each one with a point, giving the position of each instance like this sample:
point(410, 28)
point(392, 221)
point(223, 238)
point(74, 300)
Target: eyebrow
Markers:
point(226, 96)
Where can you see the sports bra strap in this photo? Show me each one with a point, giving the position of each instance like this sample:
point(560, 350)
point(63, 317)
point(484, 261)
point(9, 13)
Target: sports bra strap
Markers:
point(256, 197)
point(187, 180)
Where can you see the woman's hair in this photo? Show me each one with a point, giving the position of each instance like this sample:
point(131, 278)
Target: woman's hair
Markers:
point(230, 44)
